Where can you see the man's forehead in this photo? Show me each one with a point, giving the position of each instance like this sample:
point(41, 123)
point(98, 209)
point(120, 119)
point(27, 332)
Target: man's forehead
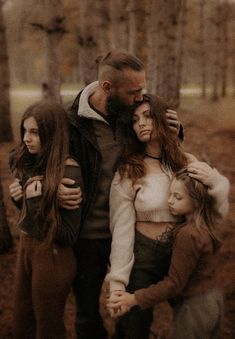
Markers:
point(133, 78)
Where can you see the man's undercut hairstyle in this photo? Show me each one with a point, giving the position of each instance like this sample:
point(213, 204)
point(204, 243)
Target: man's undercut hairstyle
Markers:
point(111, 65)
point(120, 60)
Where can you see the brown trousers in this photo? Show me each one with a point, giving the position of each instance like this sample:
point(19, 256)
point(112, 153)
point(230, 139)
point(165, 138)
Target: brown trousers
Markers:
point(44, 275)
point(199, 317)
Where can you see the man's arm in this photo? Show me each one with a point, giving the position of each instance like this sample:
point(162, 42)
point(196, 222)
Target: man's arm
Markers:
point(70, 197)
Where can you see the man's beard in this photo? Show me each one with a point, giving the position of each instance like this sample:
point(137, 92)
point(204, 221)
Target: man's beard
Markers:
point(118, 111)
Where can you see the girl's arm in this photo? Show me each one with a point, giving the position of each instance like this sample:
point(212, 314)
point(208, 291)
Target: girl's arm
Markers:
point(16, 193)
point(185, 256)
point(122, 226)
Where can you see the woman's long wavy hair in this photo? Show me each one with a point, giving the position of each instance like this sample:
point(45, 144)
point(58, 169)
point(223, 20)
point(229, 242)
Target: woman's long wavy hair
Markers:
point(52, 125)
point(132, 160)
point(205, 214)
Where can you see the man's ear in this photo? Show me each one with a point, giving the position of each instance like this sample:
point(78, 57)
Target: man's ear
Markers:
point(107, 87)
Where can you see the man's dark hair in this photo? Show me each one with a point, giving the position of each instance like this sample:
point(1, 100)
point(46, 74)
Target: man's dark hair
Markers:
point(120, 60)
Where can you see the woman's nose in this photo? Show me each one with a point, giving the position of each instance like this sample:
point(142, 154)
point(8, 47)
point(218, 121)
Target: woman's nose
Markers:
point(26, 137)
point(142, 121)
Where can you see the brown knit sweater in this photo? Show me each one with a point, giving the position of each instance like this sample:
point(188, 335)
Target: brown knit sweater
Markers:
point(191, 271)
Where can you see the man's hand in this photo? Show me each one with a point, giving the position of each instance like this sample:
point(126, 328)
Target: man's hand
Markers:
point(173, 121)
point(15, 190)
point(69, 197)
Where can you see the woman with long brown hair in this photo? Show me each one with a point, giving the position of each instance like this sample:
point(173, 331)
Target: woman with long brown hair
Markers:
point(140, 219)
point(46, 264)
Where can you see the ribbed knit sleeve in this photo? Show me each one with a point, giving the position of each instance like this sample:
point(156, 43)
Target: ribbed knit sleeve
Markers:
point(187, 250)
point(122, 226)
point(219, 189)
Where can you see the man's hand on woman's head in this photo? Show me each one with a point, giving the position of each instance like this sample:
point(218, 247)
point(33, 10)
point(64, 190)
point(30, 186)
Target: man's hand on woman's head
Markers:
point(70, 198)
point(173, 121)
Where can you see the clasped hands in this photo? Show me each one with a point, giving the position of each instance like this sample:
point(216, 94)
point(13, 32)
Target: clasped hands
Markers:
point(119, 303)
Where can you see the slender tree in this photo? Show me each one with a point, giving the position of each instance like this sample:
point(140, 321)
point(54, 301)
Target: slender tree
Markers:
point(202, 46)
point(52, 24)
point(224, 12)
point(216, 25)
point(119, 13)
point(5, 120)
point(138, 16)
point(164, 35)
point(181, 42)
point(89, 37)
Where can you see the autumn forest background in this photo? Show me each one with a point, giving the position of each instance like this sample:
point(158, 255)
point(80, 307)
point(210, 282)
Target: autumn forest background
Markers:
point(48, 49)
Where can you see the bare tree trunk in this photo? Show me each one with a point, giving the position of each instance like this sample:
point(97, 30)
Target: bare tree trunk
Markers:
point(180, 57)
point(5, 234)
point(5, 120)
point(103, 27)
point(94, 37)
point(119, 12)
point(224, 47)
point(137, 28)
point(163, 35)
point(54, 31)
point(233, 74)
point(52, 25)
point(202, 47)
point(216, 52)
point(154, 40)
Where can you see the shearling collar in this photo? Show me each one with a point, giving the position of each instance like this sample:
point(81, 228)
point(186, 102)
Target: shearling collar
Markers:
point(84, 109)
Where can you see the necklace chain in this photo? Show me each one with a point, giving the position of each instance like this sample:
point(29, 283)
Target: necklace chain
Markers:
point(152, 157)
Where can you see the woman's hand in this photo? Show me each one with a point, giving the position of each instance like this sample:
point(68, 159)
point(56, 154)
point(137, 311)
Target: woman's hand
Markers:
point(15, 190)
point(120, 302)
point(69, 197)
point(201, 171)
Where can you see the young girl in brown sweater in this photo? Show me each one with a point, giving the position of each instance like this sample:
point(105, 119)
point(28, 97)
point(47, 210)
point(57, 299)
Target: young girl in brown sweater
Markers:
point(190, 283)
point(46, 265)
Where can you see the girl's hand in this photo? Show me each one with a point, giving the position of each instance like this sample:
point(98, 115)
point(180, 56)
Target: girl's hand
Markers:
point(120, 302)
point(201, 171)
point(69, 197)
point(34, 189)
point(15, 190)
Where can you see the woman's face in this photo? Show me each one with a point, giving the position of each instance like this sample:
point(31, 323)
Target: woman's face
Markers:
point(31, 136)
point(143, 124)
point(179, 201)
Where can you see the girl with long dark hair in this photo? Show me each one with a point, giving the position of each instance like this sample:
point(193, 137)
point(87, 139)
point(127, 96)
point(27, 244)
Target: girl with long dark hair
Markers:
point(46, 264)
